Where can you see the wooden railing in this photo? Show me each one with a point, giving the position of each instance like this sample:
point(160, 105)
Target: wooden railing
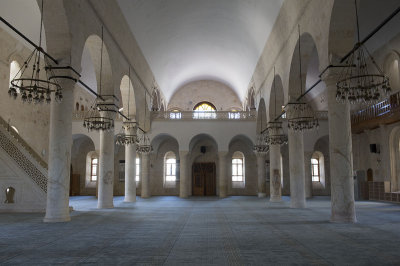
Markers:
point(381, 110)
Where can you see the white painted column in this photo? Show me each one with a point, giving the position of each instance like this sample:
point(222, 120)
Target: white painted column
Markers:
point(296, 168)
point(223, 179)
point(60, 142)
point(130, 168)
point(145, 175)
point(184, 175)
point(275, 173)
point(307, 172)
point(106, 169)
point(341, 161)
point(261, 174)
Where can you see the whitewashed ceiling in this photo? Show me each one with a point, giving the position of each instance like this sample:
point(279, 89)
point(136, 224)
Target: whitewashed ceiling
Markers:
point(188, 40)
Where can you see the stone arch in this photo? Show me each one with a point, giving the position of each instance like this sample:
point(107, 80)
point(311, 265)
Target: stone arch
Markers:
point(58, 30)
point(128, 96)
point(308, 48)
point(394, 144)
point(276, 91)
point(251, 100)
point(392, 69)
point(341, 28)
point(93, 45)
point(261, 117)
point(82, 145)
point(162, 138)
point(201, 137)
point(155, 100)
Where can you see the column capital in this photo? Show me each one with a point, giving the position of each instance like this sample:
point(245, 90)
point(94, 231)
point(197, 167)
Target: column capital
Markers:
point(183, 153)
point(331, 76)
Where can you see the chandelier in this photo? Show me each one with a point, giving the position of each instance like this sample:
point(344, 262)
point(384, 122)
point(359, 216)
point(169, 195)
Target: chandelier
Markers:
point(128, 135)
point(144, 145)
point(100, 115)
point(261, 146)
point(31, 86)
point(300, 115)
point(356, 84)
point(275, 135)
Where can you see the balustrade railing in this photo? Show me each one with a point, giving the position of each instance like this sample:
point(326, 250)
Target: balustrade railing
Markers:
point(205, 115)
point(385, 107)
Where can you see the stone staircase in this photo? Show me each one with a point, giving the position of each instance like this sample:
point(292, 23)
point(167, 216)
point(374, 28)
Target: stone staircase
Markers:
point(23, 169)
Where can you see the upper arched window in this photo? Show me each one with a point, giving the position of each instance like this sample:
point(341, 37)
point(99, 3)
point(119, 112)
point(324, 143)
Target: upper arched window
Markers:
point(170, 167)
point(14, 71)
point(204, 106)
point(204, 110)
point(238, 167)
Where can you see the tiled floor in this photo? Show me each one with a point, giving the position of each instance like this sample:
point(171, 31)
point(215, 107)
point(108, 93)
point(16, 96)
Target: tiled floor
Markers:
point(231, 231)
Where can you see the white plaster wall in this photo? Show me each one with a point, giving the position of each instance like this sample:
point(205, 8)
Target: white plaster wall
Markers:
point(28, 195)
point(217, 93)
point(221, 131)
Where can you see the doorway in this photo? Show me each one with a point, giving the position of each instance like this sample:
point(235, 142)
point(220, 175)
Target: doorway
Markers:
point(203, 179)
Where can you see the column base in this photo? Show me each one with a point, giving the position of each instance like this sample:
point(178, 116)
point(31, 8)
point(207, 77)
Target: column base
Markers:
point(343, 219)
point(130, 199)
point(298, 206)
point(105, 206)
point(62, 219)
point(262, 195)
point(275, 199)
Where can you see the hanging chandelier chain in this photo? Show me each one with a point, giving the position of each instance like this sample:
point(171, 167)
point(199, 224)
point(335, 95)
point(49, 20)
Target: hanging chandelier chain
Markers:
point(301, 79)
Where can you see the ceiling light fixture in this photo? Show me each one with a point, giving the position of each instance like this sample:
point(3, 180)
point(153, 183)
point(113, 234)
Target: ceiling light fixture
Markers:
point(128, 134)
point(276, 135)
point(356, 84)
point(100, 114)
point(32, 87)
point(300, 115)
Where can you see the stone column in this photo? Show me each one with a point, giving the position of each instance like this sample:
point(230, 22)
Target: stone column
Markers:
point(296, 167)
point(145, 175)
point(275, 173)
point(106, 169)
point(60, 142)
point(184, 175)
point(341, 161)
point(307, 172)
point(130, 167)
point(223, 179)
point(261, 174)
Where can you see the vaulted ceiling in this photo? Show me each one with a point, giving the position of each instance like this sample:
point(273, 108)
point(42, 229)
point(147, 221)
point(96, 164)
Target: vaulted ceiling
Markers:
point(188, 40)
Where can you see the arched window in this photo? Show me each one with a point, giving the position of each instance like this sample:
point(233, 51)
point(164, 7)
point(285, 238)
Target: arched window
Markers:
point(315, 170)
point(170, 167)
point(14, 71)
point(238, 167)
point(318, 168)
point(94, 169)
point(204, 110)
point(137, 169)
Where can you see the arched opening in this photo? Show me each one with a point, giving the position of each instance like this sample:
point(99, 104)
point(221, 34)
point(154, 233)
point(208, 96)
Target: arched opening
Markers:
point(128, 97)
point(394, 144)
point(10, 193)
point(238, 169)
point(204, 110)
point(392, 71)
point(318, 168)
point(14, 71)
point(261, 117)
point(203, 154)
point(169, 169)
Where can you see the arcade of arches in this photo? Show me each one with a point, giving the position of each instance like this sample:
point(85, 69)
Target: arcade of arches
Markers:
point(202, 79)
